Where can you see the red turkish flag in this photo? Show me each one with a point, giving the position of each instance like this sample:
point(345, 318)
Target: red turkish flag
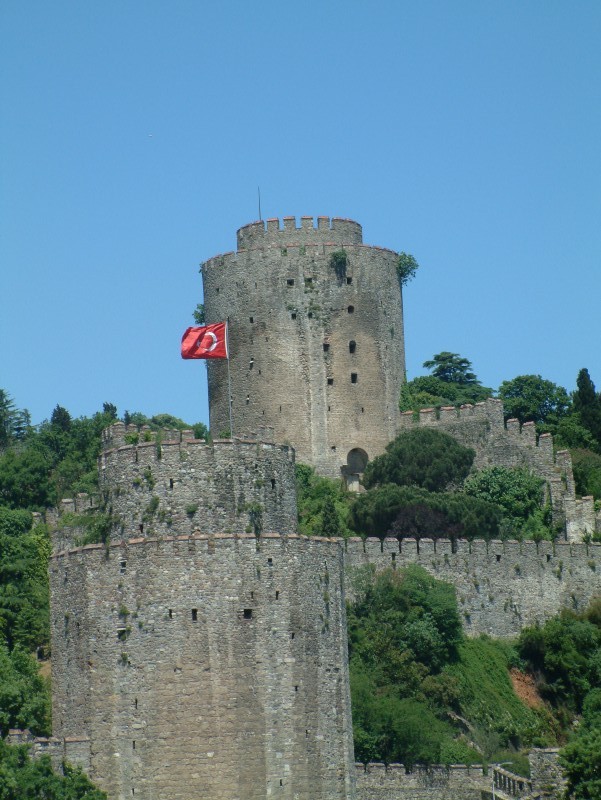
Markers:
point(210, 341)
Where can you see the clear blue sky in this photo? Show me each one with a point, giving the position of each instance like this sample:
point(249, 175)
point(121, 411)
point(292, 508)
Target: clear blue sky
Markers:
point(133, 136)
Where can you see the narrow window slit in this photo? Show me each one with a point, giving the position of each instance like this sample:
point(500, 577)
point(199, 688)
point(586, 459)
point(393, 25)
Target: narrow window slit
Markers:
point(194, 615)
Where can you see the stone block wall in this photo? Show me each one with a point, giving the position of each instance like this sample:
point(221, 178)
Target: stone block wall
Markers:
point(315, 354)
point(501, 586)
point(205, 667)
point(496, 443)
point(156, 488)
point(395, 782)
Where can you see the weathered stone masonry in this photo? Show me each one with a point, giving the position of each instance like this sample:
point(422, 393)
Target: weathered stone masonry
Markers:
point(218, 487)
point(501, 586)
point(315, 354)
point(205, 667)
point(201, 654)
point(481, 427)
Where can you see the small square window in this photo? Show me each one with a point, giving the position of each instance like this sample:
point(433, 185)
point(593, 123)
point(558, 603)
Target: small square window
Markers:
point(353, 377)
point(247, 613)
point(351, 309)
point(252, 319)
point(349, 280)
point(293, 315)
point(326, 347)
point(330, 381)
point(290, 281)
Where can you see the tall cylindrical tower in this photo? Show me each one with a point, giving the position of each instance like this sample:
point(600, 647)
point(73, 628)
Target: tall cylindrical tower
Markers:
point(316, 340)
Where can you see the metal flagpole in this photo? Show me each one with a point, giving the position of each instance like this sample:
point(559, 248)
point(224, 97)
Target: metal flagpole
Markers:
point(229, 377)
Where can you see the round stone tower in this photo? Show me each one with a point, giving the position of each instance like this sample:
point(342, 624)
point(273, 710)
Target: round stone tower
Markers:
point(200, 652)
point(316, 340)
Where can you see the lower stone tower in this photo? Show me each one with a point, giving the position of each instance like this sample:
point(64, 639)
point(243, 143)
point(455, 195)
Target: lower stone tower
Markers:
point(192, 664)
point(316, 340)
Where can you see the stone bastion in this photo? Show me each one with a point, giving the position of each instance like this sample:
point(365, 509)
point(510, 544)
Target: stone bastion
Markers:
point(204, 667)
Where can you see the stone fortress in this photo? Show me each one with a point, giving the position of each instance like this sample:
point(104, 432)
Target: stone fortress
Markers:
point(200, 653)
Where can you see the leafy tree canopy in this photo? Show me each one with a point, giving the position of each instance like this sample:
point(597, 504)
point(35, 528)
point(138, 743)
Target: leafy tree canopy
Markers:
point(516, 491)
point(426, 391)
point(413, 673)
point(406, 268)
point(451, 368)
point(199, 314)
point(452, 383)
point(22, 778)
point(587, 472)
point(402, 511)
point(323, 504)
point(421, 457)
point(531, 398)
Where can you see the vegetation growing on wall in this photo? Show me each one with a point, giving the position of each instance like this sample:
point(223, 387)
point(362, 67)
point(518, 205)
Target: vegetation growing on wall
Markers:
point(421, 691)
point(406, 494)
point(21, 778)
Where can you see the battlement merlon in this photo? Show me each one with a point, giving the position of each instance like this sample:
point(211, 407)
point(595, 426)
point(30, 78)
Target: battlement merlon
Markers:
point(336, 230)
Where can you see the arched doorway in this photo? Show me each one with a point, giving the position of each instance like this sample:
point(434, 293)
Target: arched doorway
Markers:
point(356, 461)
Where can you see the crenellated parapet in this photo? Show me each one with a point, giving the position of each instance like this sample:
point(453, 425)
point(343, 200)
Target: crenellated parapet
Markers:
point(205, 666)
point(501, 586)
point(316, 342)
point(508, 444)
point(377, 781)
point(273, 233)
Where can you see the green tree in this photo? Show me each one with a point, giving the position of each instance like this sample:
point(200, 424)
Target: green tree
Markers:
point(587, 472)
point(422, 457)
point(402, 511)
point(24, 694)
point(588, 404)
point(565, 654)
point(451, 368)
point(581, 762)
point(323, 504)
point(406, 268)
point(516, 491)
point(22, 778)
point(426, 391)
point(531, 398)
point(199, 314)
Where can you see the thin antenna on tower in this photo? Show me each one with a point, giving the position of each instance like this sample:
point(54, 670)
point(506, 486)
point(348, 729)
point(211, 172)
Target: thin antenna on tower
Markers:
point(259, 193)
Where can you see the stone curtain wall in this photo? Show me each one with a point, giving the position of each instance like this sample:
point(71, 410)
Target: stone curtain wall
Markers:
point(205, 668)
point(394, 782)
point(501, 586)
point(482, 428)
point(225, 486)
point(315, 355)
